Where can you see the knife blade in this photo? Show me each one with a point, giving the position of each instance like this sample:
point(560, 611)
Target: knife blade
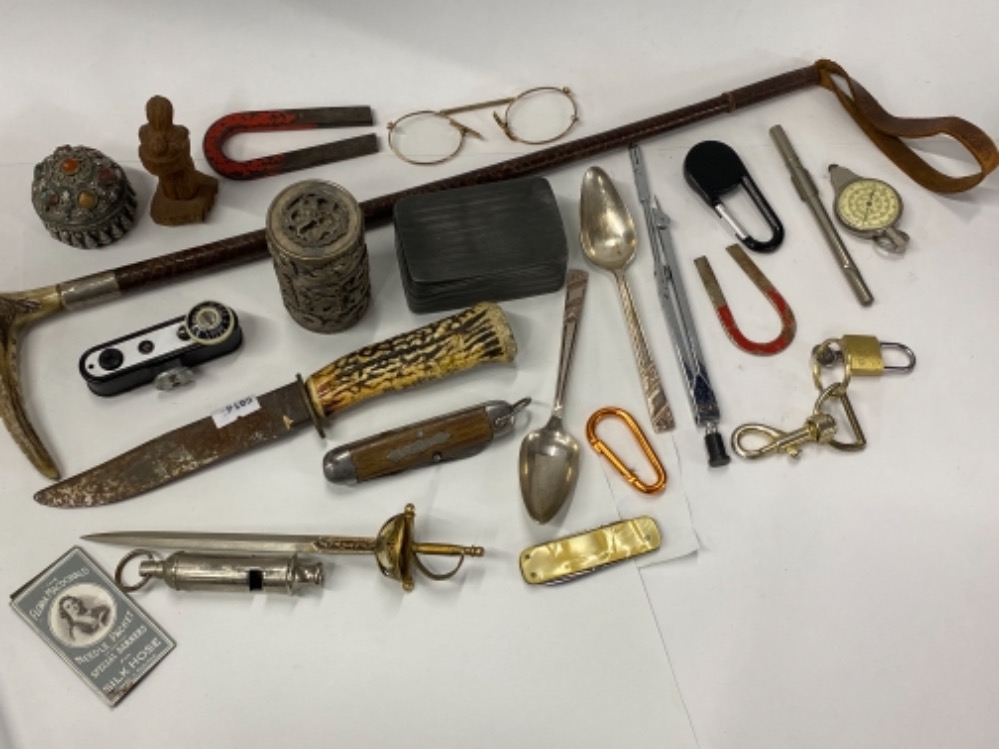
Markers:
point(475, 336)
point(451, 436)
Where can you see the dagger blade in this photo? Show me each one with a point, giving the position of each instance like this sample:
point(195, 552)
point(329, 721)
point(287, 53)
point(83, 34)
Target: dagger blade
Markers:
point(260, 543)
point(182, 451)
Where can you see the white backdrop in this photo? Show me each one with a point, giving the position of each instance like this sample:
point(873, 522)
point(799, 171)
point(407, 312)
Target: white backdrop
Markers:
point(843, 600)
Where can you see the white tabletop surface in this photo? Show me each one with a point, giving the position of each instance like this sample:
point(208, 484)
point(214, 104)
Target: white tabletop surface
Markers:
point(843, 600)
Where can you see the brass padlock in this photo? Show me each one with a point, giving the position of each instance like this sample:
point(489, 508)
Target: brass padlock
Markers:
point(860, 355)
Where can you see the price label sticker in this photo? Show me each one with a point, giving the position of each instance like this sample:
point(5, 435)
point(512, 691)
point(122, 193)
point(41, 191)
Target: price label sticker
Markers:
point(235, 410)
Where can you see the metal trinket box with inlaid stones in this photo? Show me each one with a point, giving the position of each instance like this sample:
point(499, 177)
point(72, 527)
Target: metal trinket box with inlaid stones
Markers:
point(83, 197)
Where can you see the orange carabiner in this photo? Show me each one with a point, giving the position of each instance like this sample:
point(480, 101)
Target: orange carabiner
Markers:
point(601, 447)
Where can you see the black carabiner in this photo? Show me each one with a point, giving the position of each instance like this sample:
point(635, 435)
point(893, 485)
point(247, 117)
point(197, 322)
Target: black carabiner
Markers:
point(713, 169)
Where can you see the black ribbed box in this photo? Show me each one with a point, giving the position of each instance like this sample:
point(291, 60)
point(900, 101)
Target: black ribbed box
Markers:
point(504, 240)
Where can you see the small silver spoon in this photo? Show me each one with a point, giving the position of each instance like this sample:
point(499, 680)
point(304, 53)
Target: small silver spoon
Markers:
point(549, 457)
point(607, 234)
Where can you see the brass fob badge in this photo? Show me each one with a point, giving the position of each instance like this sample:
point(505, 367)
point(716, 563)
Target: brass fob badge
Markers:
point(868, 208)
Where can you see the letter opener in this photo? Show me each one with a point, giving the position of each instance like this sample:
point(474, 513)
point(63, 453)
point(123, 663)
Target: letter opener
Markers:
point(673, 298)
point(475, 336)
point(395, 548)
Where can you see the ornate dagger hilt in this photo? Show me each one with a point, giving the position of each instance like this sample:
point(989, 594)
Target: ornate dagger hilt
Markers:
point(397, 551)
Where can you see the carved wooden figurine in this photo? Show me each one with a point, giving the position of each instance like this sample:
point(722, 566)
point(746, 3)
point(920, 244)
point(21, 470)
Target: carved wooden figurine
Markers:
point(184, 195)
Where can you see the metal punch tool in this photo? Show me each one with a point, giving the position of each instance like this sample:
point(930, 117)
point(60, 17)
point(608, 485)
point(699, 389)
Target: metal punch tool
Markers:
point(673, 297)
point(810, 194)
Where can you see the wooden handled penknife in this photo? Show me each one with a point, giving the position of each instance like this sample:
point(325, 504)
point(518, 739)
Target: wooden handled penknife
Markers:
point(452, 436)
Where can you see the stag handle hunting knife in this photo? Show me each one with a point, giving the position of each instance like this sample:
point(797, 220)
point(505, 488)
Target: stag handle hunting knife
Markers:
point(478, 335)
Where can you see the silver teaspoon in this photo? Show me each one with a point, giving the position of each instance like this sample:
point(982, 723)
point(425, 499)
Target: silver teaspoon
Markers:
point(549, 457)
point(607, 234)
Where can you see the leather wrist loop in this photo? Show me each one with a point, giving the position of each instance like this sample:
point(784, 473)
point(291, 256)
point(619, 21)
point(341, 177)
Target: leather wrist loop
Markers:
point(887, 132)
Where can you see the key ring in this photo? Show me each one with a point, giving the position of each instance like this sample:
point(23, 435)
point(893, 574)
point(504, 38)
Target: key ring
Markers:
point(838, 390)
point(143, 579)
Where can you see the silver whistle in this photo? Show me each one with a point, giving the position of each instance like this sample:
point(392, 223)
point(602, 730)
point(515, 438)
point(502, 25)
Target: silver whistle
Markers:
point(185, 570)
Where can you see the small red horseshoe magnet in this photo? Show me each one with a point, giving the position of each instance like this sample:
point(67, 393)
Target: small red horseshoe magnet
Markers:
point(788, 325)
point(287, 119)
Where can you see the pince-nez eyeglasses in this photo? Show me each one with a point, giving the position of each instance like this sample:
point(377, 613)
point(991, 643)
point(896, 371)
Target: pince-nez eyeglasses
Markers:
point(534, 117)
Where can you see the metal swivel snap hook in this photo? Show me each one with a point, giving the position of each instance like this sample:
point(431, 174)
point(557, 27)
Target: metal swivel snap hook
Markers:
point(601, 447)
point(819, 428)
point(713, 169)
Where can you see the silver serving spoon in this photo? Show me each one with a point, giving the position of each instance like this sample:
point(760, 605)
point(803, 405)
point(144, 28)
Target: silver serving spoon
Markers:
point(607, 234)
point(549, 457)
